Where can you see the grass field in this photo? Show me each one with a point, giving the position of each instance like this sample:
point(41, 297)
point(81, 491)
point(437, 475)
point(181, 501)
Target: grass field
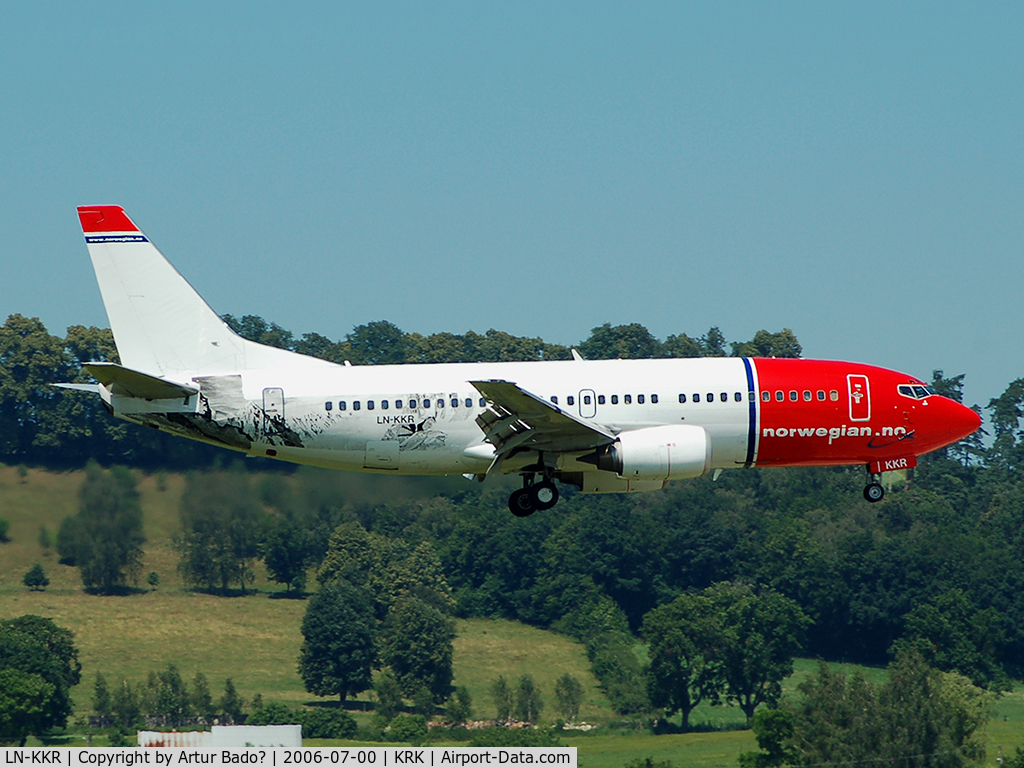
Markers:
point(255, 639)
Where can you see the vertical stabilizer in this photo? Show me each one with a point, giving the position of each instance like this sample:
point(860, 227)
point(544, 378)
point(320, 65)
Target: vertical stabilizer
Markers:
point(161, 325)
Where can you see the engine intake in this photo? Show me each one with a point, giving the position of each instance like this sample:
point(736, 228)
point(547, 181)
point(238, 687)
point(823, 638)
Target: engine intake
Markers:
point(656, 453)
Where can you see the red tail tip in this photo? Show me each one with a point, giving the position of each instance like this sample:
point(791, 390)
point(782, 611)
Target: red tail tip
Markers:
point(105, 218)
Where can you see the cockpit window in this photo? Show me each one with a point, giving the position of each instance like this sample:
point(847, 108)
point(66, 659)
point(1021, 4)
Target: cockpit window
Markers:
point(916, 391)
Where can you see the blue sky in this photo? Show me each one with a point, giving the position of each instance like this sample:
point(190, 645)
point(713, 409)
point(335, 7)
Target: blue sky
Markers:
point(851, 171)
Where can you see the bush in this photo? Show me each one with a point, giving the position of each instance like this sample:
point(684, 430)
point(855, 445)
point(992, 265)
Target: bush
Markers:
point(273, 714)
point(408, 728)
point(514, 737)
point(323, 723)
point(4, 527)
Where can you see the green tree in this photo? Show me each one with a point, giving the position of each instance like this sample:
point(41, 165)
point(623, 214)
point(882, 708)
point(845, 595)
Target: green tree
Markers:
point(955, 636)
point(503, 698)
point(125, 706)
point(221, 529)
point(621, 341)
point(202, 700)
point(774, 729)
point(919, 717)
point(416, 642)
point(170, 697)
point(36, 579)
point(762, 633)
point(107, 531)
point(459, 707)
point(684, 638)
point(529, 703)
point(389, 694)
point(338, 650)
point(765, 344)
point(43, 664)
point(25, 699)
point(102, 704)
point(286, 555)
point(569, 695)
point(5, 526)
point(377, 343)
point(231, 704)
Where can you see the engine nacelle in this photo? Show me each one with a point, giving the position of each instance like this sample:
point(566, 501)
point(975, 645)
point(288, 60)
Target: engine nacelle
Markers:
point(656, 453)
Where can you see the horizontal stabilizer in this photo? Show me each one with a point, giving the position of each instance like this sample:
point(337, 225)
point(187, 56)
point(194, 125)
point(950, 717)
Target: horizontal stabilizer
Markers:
point(125, 381)
point(94, 388)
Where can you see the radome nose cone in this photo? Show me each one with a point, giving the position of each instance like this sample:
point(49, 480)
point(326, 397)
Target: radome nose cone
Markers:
point(965, 421)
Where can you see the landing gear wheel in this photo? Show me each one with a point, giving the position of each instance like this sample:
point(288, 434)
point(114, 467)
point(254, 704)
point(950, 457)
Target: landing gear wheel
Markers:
point(544, 495)
point(874, 492)
point(521, 503)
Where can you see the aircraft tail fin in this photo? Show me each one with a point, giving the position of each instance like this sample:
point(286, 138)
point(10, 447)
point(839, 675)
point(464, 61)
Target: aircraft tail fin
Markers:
point(161, 325)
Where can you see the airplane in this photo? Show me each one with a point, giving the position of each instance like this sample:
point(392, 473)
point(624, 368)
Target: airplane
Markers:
point(603, 426)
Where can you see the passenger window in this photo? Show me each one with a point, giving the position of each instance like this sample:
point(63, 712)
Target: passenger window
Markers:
point(779, 396)
point(586, 399)
point(355, 406)
point(328, 405)
point(554, 399)
point(469, 402)
point(682, 398)
point(807, 395)
point(751, 396)
point(342, 406)
point(821, 395)
point(640, 399)
point(724, 397)
point(792, 395)
point(627, 399)
point(440, 402)
point(833, 395)
point(654, 399)
point(455, 402)
point(369, 405)
point(738, 397)
point(600, 399)
point(766, 396)
point(426, 402)
point(570, 400)
point(696, 397)
point(398, 404)
point(384, 405)
point(412, 403)
point(483, 403)
point(615, 399)
point(711, 397)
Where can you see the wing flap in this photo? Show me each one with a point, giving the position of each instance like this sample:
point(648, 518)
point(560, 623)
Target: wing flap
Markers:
point(125, 381)
point(517, 418)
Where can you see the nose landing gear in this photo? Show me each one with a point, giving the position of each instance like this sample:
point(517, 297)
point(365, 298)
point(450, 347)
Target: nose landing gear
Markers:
point(533, 495)
point(874, 491)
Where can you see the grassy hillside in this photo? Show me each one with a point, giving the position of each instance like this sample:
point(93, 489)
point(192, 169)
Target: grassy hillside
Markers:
point(255, 639)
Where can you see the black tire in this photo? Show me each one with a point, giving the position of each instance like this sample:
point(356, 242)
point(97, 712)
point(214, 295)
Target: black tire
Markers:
point(874, 492)
point(521, 503)
point(544, 495)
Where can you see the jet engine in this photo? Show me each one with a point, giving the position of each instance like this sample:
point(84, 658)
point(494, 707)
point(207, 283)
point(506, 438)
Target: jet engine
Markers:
point(656, 453)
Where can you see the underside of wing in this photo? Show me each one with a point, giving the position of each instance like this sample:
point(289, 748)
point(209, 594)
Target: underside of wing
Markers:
point(125, 381)
point(516, 418)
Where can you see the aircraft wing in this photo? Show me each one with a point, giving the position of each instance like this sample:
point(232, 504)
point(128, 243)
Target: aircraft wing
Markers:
point(517, 418)
point(125, 381)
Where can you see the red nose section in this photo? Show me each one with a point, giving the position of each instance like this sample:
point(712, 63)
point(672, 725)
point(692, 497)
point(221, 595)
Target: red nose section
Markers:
point(964, 422)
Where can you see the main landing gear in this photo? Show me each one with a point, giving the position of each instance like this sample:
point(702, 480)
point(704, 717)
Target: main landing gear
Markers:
point(874, 491)
point(533, 495)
